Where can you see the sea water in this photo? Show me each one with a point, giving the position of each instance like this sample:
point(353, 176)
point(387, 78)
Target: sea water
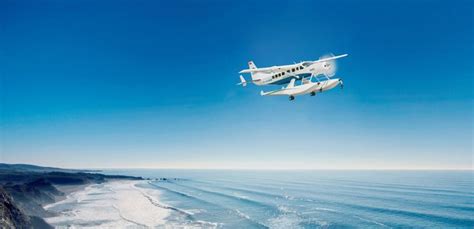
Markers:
point(313, 199)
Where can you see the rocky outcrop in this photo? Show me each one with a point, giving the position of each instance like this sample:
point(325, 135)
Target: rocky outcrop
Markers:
point(10, 215)
point(31, 196)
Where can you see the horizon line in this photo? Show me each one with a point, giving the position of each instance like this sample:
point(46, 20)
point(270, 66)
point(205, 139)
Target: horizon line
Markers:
point(292, 169)
point(250, 169)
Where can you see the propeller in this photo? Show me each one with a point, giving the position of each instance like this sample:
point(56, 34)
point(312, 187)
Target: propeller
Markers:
point(341, 83)
point(329, 66)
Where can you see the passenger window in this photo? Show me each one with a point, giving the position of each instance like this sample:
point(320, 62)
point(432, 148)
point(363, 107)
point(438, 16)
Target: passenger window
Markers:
point(293, 70)
point(283, 73)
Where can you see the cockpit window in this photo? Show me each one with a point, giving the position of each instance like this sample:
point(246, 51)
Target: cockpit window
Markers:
point(306, 64)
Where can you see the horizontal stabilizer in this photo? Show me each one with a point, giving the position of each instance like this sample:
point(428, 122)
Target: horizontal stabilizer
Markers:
point(242, 81)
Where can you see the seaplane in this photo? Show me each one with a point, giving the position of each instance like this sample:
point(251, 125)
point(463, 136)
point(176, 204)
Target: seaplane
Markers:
point(313, 77)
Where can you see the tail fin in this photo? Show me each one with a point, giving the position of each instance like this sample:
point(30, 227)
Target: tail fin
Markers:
point(252, 65)
point(291, 84)
point(242, 81)
point(255, 76)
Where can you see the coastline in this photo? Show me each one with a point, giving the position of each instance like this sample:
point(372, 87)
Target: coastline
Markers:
point(67, 190)
point(116, 203)
point(27, 190)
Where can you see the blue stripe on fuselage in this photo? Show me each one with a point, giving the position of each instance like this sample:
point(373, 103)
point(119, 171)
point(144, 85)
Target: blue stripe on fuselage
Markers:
point(288, 79)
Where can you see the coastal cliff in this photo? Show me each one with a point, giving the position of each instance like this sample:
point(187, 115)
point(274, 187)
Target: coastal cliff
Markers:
point(25, 189)
point(10, 215)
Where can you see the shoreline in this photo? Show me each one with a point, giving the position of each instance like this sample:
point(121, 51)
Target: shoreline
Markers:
point(115, 203)
point(28, 190)
point(67, 190)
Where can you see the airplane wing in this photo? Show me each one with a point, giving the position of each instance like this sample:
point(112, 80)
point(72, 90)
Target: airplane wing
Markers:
point(244, 82)
point(329, 58)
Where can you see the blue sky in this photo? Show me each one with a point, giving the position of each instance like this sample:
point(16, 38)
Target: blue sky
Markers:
point(152, 84)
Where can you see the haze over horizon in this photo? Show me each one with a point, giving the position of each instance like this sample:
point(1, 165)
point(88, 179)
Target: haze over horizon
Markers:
point(151, 84)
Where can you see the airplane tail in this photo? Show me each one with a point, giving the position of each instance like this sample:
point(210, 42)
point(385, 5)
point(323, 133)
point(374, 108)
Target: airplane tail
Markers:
point(255, 76)
point(252, 65)
point(242, 81)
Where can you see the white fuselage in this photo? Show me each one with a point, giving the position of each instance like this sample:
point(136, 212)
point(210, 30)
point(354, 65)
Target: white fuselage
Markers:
point(294, 71)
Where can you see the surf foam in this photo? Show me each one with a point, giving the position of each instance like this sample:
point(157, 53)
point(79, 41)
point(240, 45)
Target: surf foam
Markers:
point(111, 205)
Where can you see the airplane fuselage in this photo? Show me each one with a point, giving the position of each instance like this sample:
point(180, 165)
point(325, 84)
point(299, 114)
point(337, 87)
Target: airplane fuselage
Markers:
point(294, 71)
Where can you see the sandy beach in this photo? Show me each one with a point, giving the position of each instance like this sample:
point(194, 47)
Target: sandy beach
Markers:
point(114, 204)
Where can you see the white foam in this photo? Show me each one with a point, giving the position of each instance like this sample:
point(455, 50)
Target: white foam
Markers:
point(284, 221)
point(241, 214)
point(371, 221)
point(109, 205)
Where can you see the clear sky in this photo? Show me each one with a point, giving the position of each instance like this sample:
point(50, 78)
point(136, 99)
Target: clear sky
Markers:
point(151, 84)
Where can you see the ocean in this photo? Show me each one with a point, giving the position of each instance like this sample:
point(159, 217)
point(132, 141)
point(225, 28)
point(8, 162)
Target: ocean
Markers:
point(313, 199)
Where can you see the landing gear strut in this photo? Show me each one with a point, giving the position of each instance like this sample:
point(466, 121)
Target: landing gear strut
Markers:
point(292, 97)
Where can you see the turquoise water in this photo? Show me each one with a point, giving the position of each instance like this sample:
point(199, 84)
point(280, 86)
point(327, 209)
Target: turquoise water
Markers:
point(315, 199)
